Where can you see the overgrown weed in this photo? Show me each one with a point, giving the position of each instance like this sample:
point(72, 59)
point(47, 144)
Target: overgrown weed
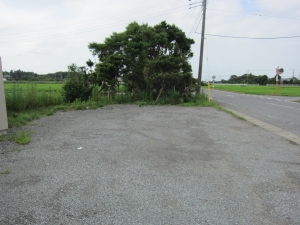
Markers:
point(22, 137)
point(4, 172)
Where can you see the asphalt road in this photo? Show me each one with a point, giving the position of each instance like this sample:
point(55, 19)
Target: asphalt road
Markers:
point(125, 164)
point(279, 111)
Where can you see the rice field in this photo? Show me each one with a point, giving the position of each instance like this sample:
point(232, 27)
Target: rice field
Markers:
point(261, 90)
point(8, 87)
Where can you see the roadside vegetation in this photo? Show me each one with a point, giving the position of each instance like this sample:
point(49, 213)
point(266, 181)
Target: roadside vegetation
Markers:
point(22, 137)
point(4, 172)
point(25, 105)
point(144, 65)
point(9, 87)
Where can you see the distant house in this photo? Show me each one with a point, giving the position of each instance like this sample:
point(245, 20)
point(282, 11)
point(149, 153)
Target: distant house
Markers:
point(7, 77)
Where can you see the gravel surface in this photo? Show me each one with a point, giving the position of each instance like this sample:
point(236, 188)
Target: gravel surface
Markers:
point(125, 164)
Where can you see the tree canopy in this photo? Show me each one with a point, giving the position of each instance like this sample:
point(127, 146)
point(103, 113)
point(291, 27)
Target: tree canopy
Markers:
point(248, 78)
point(153, 59)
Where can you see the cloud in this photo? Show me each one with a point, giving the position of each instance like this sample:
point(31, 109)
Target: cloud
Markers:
point(46, 36)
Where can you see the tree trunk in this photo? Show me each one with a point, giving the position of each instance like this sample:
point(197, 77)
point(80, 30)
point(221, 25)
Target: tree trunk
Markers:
point(133, 92)
point(186, 91)
point(108, 92)
point(160, 91)
point(101, 87)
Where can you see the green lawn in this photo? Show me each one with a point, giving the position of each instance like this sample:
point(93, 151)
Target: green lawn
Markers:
point(39, 87)
point(261, 90)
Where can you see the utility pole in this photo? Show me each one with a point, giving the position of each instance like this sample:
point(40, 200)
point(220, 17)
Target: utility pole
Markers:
point(293, 76)
point(247, 76)
point(201, 47)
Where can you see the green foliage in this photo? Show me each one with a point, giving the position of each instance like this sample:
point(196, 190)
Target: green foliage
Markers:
point(17, 149)
point(261, 90)
point(5, 137)
point(21, 118)
point(248, 79)
point(40, 87)
point(19, 75)
point(19, 99)
point(98, 100)
point(149, 59)
point(22, 137)
point(76, 86)
point(3, 172)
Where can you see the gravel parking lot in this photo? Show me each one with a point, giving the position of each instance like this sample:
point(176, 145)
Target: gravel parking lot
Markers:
point(125, 164)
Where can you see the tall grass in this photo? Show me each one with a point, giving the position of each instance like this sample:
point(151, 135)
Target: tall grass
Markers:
point(25, 105)
point(19, 99)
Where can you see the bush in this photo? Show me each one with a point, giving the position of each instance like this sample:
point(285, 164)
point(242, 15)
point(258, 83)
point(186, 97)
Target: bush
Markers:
point(74, 90)
point(76, 87)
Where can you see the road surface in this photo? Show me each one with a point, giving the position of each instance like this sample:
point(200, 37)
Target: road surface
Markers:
point(279, 111)
point(125, 164)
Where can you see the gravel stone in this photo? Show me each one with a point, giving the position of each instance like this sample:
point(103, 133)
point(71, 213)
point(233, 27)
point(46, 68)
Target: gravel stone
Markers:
point(125, 164)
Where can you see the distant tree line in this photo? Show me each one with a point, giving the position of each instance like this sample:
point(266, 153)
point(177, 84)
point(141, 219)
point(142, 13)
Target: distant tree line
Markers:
point(20, 75)
point(260, 79)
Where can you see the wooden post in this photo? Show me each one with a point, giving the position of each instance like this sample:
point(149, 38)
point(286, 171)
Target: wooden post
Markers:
point(208, 91)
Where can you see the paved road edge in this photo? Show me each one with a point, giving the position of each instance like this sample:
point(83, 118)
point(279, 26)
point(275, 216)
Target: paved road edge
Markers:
point(283, 133)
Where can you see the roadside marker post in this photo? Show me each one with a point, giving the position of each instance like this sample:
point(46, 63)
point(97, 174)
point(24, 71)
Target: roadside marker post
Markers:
point(214, 77)
point(276, 92)
point(278, 71)
point(208, 91)
point(3, 113)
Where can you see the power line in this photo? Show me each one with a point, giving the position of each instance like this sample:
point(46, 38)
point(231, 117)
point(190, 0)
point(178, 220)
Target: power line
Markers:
point(96, 28)
point(195, 26)
point(135, 11)
point(255, 14)
point(260, 38)
point(198, 17)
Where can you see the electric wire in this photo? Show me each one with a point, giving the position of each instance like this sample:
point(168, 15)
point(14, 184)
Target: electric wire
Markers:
point(257, 38)
point(195, 26)
point(207, 59)
point(191, 26)
point(96, 28)
point(140, 10)
point(254, 14)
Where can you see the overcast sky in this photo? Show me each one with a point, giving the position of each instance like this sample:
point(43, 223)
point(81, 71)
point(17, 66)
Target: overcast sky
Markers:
point(46, 36)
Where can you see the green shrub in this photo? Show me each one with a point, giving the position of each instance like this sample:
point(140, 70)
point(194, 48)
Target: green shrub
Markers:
point(3, 172)
point(75, 87)
point(22, 138)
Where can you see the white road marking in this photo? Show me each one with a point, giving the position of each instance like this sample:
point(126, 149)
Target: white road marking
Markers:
point(291, 101)
point(281, 132)
point(254, 111)
point(280, 105)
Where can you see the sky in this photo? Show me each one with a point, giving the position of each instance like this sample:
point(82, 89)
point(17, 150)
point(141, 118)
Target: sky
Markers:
point(46, 36)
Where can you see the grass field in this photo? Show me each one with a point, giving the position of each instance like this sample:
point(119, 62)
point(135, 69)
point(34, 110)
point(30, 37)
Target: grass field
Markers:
point(39, 87)
point(261, 90)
